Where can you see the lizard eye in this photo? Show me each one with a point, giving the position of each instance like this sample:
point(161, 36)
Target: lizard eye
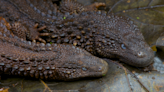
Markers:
point(123, 46)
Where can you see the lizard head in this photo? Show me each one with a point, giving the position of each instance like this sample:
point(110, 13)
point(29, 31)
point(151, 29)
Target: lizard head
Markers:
point(80, 64)
point(122, 39)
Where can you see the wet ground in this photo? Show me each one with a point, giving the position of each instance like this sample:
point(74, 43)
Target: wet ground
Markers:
point(148, 15)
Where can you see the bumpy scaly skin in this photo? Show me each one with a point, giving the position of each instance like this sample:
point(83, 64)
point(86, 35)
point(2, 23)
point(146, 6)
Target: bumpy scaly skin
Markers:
point(52, 62)
point(105, 36)
point(100, 34)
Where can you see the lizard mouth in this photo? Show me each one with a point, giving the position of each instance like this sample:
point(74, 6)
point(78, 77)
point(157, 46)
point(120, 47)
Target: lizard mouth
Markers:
point(105, 68)
point(141, 59)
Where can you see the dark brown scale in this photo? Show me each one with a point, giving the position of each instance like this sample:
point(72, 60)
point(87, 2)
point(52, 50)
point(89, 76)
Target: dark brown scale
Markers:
point(32, 73)
point(28, 68)
point(26, 62)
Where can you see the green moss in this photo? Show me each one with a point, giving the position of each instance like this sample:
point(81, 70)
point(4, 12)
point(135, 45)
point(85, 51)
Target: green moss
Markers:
point(138, 17)
point(104, 74)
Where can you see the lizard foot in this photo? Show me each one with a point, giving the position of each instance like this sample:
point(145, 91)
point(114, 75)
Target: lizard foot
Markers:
point(94, 6)
point(27, 33)
point(72, 6)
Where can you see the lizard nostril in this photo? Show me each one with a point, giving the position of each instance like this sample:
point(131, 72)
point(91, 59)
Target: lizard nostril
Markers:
point(100, 68)
point(84, 69)
point(141, 54)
